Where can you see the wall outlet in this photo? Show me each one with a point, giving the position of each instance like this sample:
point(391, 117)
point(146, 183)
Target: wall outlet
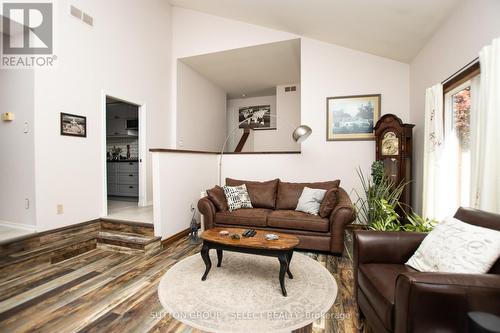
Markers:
point(26, 203)
point(60, 209)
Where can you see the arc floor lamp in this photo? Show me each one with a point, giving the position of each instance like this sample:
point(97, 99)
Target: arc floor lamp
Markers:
point(299, 135)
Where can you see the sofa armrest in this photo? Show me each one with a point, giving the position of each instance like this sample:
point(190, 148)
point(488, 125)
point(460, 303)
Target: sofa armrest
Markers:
point(207, 208)
point(342, 215)
point(385, 247)
point(426, 302)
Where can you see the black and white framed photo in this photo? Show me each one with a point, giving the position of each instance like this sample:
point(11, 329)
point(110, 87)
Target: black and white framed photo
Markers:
point(352, 117)
point(255, 117)
point(73, 125)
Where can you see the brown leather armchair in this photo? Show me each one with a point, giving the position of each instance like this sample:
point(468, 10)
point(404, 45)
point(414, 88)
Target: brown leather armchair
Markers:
point(396, 298)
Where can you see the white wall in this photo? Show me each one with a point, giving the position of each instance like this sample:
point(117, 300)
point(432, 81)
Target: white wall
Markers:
point(473, 24)
point(329, 70)
point(126, 54)
point(262, 167)
point(256, 143)
point(17, 156)
point(288, 112)
point(285, 117)
point(195, 33)
point(201, 109)
point(179, 180)
point(326, 70)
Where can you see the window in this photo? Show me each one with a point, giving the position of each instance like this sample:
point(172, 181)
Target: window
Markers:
point(457, 136)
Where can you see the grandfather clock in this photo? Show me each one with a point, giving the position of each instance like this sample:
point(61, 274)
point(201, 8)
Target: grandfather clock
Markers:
point(394, 148)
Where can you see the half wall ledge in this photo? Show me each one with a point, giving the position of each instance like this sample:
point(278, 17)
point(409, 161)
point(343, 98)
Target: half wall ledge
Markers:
point(168, 150)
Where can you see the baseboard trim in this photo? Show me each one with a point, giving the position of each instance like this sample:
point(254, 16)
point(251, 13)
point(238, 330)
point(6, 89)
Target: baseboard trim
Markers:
point(22, 226)
point(40, 233)
point(177, 236)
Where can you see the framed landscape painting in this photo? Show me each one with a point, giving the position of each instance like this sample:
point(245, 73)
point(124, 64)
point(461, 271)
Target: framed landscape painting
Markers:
point(73, 125)
point(352, 117)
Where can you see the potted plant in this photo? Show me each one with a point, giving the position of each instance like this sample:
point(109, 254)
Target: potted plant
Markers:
point(377, 205)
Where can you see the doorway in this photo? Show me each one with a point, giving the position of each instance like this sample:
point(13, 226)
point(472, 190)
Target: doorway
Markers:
point(123, 176)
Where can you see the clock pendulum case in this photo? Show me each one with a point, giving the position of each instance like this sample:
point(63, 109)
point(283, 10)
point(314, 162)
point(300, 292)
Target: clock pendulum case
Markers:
point(394, 147)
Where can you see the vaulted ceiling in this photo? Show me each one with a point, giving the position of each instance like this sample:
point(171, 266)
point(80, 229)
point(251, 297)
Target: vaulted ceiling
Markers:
point(395, 29)
point(251, 71)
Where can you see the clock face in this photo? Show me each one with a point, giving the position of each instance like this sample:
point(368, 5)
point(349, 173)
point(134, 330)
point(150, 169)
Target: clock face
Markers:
point(390, 144)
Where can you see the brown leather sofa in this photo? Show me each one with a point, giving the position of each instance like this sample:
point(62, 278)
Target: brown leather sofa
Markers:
point(274, 205)
point(396, 298)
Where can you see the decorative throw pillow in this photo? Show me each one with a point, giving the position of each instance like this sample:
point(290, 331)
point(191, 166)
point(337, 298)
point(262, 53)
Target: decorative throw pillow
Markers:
point(216, 195)
point(289, 193)
point(310, 200)
point(457, 247)
point(262, 194)
point(237, 197)
point(329, 202)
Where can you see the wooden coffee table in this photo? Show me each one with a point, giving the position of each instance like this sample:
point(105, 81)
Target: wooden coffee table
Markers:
point(281, 248)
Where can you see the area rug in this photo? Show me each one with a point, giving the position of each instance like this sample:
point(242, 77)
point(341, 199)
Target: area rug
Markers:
point(244, 294)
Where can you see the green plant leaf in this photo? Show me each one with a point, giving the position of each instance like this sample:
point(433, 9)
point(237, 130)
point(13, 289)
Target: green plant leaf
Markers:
point(376, 205)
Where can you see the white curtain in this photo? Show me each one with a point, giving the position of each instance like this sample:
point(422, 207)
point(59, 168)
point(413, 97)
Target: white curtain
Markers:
point(433, 151)
point(485, 132)
point(475, 141)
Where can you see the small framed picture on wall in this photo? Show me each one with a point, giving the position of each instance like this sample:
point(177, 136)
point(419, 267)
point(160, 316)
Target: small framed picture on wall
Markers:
point(352, 117)
point(256, 117)
point(73, 125)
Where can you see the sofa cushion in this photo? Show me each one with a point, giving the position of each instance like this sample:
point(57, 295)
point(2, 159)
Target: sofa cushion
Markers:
point(289, 193)
point(262, 194)
point(329, 202)
point(291, 219)
point(310, 200)
point(378, 283)
point(253, 217)
point(216, 195)
point(237, 197)
point(454, 246)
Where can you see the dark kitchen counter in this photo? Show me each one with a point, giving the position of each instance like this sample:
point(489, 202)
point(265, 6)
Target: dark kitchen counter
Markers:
point(118, 161)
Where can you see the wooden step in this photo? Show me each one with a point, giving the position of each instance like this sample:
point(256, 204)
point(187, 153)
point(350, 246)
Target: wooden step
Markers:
point(128, 242)
point(49, 247)
point(146, 229)
point(44, 238)
point(47, 254)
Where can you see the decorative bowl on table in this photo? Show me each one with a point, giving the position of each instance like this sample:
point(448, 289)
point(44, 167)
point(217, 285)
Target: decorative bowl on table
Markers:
point(271, 237)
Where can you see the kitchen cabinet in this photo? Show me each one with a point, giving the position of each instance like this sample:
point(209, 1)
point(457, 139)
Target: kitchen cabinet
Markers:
point(117, 115)
point(116, 127)
point(123, 178)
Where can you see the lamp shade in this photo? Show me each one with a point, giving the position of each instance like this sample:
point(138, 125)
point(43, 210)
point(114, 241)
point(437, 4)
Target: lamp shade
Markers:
point(301, 133)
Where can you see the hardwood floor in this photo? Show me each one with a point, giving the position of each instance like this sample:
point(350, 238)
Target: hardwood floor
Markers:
point(108, 291)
